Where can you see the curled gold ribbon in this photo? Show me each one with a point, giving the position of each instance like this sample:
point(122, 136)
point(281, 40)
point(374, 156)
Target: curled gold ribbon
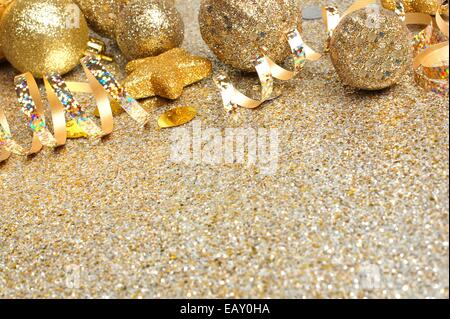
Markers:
point(59, 94)
point(267, 71)
point(63, 105)
point(101, 98)
point(32, 107)
point(96, 72)
point(432, 60)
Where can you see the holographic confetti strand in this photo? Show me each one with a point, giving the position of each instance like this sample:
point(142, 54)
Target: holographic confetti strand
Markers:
point(36, 120)
point(115, 90)
point(431, 66)
point(73, 109)
point(64, 106)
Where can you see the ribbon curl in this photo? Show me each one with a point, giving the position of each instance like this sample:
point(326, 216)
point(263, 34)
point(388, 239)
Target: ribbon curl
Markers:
point(431, 62)
point(64, 106)
point(267, 71)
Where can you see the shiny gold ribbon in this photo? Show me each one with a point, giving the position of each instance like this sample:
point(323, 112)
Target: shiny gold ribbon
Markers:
point(63, 105)
point(103, 83)
point(32, 107)
point(267, 71)
point(58, 93)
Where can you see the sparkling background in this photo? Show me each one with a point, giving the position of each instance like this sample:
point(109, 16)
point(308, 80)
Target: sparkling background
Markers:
point(361, 193)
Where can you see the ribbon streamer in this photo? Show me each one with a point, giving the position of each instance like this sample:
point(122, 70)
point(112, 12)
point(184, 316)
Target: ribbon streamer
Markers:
point(32, 107)
point(63, 106)
point(97, 73)
point(59, 93)
point(432, 60)
point(267, 71)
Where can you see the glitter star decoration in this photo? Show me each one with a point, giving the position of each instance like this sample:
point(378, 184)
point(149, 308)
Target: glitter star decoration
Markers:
point(165, 75)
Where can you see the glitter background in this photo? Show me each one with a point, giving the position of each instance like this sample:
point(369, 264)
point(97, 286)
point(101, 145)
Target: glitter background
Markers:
point(361, 193)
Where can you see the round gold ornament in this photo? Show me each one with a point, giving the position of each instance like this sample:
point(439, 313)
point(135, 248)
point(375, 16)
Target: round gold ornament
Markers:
point(371, 49)
point(422, 6)
point(149, 28)
point(3, 5)
point(102, 15)
point(235, 30)
point(43, 36)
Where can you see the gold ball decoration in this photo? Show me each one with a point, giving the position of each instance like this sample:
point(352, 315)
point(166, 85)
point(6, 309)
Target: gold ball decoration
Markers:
point(102, 15)
point(3, 5)
point(371, 49)
point(235, 30)
point(422, 6)
point(149, 28)
point(43, 36)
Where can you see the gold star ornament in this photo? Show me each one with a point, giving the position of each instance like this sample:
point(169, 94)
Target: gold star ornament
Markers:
point(165, 75)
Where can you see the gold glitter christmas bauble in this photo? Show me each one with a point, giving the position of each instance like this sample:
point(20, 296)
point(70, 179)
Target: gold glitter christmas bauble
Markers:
point(371, 49)
point(3, 5)
point(148, 28)
point(102, 15)
point(423, 6)
point(235, 30)
point(43, 36)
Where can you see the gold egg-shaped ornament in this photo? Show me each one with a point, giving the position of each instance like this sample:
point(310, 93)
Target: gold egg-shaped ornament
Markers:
point(102, 15)
point(43, 36)
point(236, 30)
point(149, 28)
point(371, 49)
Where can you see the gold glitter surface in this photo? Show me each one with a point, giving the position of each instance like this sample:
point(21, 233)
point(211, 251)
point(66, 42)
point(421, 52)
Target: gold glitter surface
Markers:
point(165, 75)
point(424, 6)
point(102, 15)
point(35, 36)
point(235, 30)
point(358, 206)
point(148, 28)
point(371, 50)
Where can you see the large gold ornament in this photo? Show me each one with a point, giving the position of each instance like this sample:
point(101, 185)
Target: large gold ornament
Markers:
point(102, 15)
point(235, 30)
point(148, 28)
point(165, 75)
point(423, 6)
point(3, 5)
point(371, 49)
point(43, 36)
